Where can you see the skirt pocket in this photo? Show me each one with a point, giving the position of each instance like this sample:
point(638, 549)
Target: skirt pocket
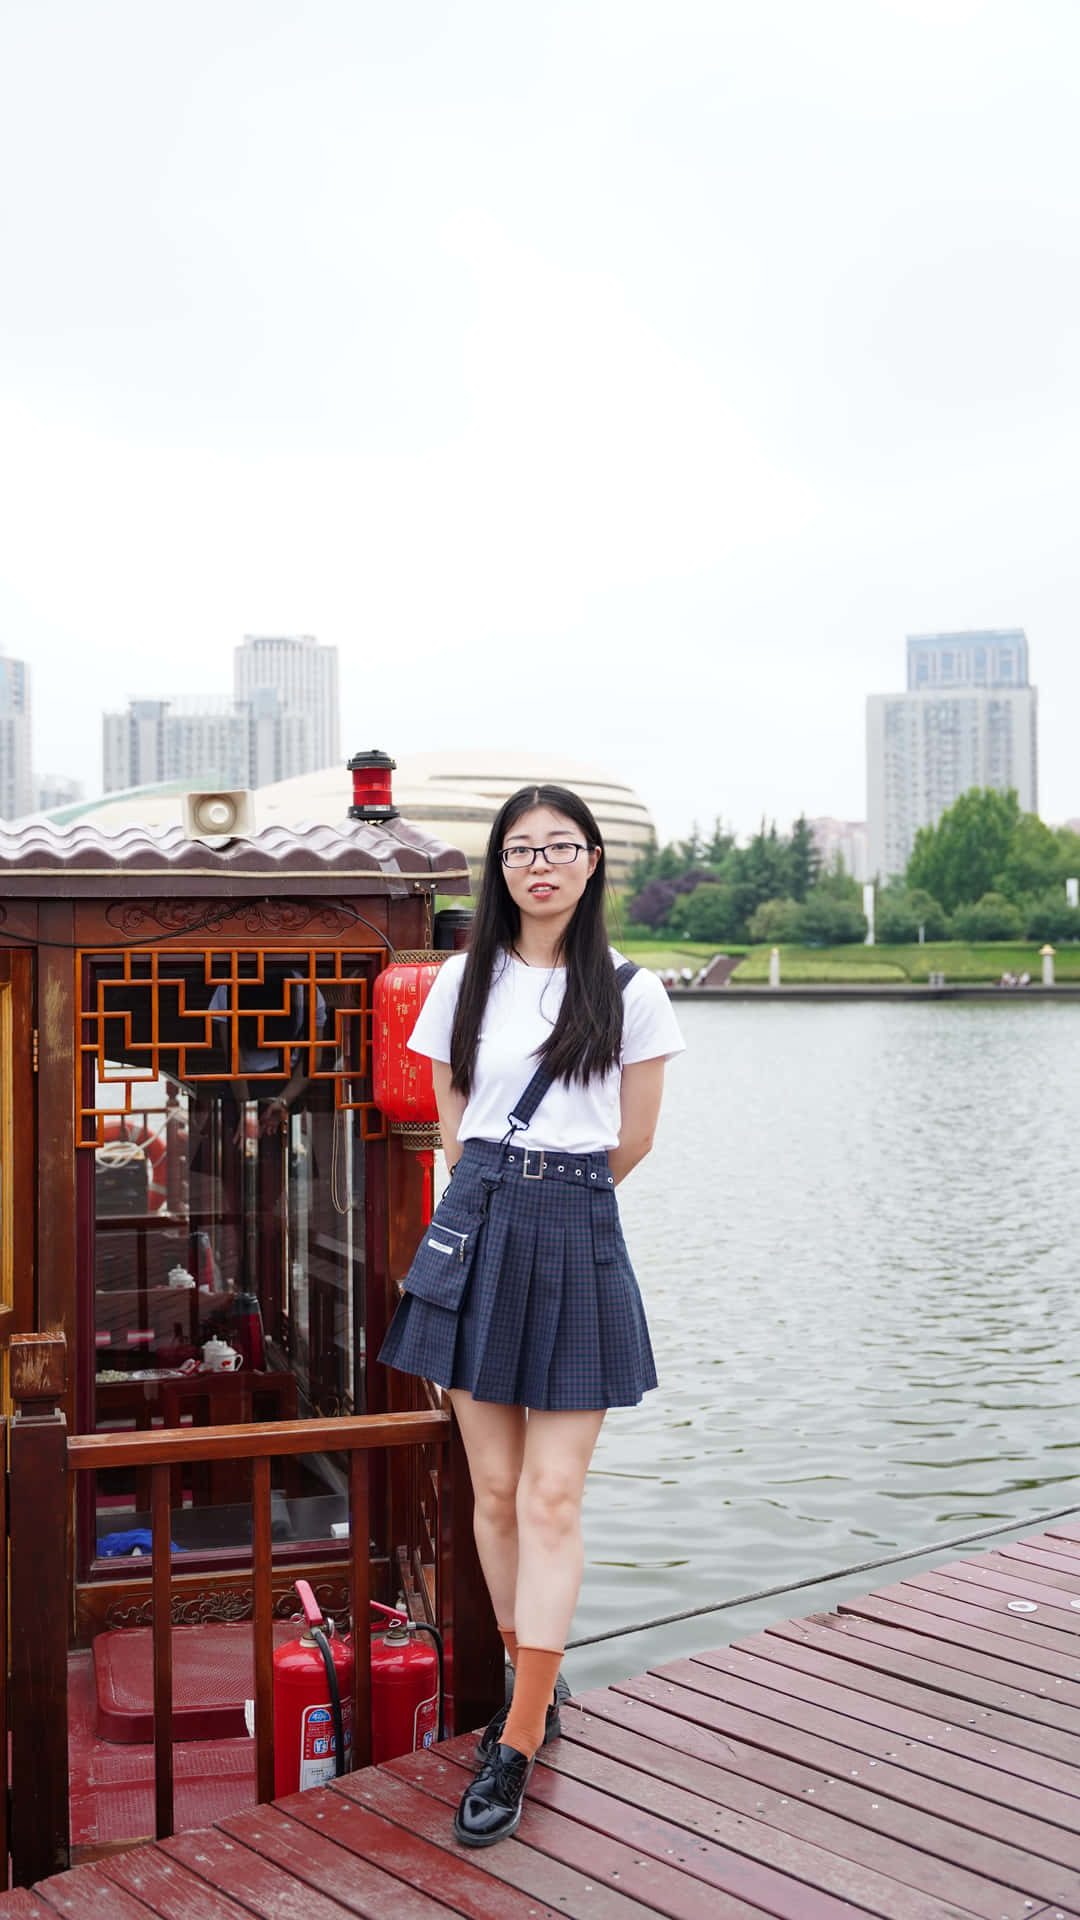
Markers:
point(443, 1261)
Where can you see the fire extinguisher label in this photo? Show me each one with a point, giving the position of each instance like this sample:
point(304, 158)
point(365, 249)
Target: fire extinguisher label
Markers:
point(317, 1744)
point(425, 1723)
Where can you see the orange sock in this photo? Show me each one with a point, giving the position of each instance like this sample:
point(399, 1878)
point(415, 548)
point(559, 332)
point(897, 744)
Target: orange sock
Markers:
point(534, 1687)
point(509, 1640)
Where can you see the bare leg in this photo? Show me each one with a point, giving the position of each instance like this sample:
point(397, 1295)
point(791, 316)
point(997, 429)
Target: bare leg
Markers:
point(494, 1438)
point(558, 1448)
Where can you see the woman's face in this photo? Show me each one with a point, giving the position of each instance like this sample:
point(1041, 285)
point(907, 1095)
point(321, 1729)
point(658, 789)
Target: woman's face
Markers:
point(548, 890)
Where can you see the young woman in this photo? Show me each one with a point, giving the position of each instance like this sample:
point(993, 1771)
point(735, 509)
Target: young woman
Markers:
point(521, 1299)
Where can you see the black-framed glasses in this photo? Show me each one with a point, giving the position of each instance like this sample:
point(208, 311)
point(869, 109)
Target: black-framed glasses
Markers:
point(559, 853)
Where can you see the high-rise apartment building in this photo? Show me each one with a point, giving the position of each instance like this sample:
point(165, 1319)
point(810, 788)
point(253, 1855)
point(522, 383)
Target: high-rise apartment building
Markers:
point(845, 839)
point(304, 677)
point(989, 657)
point(16, 752)
point(204, 742)
point(969, 719)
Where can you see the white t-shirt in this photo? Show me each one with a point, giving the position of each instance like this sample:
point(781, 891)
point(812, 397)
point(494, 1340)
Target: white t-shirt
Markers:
point(522, 1007)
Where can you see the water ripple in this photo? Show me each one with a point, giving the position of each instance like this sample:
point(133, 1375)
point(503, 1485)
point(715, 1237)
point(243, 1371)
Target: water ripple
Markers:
point(855, 1239)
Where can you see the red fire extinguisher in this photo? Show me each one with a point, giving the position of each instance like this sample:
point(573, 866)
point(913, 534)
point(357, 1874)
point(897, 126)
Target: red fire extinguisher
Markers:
point(313, 1685)
point(406, 1687)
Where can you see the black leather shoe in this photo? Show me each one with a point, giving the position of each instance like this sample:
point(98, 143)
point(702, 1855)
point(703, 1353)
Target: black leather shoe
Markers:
point(491, 1804)
point(493, 1732)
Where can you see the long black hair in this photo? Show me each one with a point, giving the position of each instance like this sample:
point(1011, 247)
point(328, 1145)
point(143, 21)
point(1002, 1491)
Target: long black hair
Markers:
point(586, 1039)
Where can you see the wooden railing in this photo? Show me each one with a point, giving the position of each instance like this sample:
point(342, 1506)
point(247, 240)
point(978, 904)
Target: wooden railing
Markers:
point(44, 1464)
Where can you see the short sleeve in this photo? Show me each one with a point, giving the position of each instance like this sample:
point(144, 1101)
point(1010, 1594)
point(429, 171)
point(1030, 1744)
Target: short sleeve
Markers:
point(650, 1029)
point(431, 1034)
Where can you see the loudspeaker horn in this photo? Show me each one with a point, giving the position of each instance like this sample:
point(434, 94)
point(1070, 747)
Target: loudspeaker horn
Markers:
point(217, 817)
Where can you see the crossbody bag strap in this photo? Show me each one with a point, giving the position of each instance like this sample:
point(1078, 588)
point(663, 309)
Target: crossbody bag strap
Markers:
point(523, 1109)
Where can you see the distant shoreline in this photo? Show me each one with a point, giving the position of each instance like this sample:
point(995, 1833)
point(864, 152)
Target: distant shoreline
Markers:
point(883, 990)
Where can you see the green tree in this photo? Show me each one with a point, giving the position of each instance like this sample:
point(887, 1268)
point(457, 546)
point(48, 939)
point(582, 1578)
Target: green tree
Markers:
point(899, 914)
point(990, 918)
point(957, 861)
point(1033, 860)
point(776, 922)
point(803, 859)
point(1051, 918)
point(709, 913)
point(720, 845)
point(824, 922)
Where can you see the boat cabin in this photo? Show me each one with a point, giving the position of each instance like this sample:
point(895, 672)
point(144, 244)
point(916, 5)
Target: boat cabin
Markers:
point(202, 1203)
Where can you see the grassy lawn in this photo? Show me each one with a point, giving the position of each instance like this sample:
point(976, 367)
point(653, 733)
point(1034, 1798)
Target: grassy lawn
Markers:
point(832, 966)
point(685, 953)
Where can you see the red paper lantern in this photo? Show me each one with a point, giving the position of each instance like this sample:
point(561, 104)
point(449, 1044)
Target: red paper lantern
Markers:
point(403, 1087)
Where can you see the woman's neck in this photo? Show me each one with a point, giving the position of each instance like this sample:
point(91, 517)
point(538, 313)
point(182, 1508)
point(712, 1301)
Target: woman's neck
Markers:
point(539, 946)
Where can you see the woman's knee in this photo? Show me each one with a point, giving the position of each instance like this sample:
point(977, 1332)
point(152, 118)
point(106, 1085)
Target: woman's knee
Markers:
point(495, 1496)
point(549, 1503)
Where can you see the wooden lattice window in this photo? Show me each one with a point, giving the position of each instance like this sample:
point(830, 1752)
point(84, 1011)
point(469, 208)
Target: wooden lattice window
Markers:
point(224, 1015)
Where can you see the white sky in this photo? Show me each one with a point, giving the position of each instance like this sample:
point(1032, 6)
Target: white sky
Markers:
point(625, 378)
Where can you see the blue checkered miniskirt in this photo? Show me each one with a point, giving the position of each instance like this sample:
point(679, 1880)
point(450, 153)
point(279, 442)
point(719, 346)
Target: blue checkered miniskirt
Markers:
point(521, 1289)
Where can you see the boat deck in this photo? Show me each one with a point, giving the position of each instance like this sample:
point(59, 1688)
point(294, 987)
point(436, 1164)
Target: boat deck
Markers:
point(914, 1754)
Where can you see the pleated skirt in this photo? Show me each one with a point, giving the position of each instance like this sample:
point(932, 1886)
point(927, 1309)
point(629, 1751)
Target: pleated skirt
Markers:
point(522, 1290)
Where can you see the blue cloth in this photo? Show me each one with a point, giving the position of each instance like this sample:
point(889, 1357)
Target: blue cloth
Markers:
point(111, 1544)
point(522, 1290)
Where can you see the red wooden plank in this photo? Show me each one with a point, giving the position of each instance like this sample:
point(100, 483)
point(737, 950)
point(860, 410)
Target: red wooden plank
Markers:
point(1049, 1554)
point(959, 1691)
point(751, 1873)
point(20, 1904)
point(796, 1796)
point(994, 1591)
point(856, 1684)
point(1032, 1783)
point(871, 1696)
point(561, 1862)
point(419, 1863)
point(944, 1652)
point(741, 1741)
point(603, 1839)
point(360, 1591)
point(309, 1856)
point(1029, 1565)
point(167, 1888)
point(254, 1883)
point(1018, 1636)
point(86, 1891)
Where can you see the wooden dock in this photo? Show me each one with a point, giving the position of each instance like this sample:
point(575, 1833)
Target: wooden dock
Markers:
point(914, 1754)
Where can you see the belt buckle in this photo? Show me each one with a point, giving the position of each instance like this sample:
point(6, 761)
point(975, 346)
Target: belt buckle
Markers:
point(539, 1174)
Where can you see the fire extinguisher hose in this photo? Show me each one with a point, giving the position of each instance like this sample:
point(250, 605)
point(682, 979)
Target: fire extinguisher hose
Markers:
point(422, 1627)
point(323, 1645)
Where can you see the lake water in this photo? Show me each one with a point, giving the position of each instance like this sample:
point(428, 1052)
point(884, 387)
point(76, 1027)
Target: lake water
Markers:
point(856, 1241)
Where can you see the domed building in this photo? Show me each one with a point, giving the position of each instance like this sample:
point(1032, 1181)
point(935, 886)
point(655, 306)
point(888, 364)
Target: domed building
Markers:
point(454, 796)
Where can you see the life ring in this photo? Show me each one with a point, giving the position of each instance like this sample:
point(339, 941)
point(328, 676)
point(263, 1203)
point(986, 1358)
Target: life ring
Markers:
point(119, 1147)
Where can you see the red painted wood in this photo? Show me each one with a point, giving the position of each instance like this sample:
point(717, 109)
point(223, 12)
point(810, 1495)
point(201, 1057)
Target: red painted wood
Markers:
point(992, 1709)
point(920, 1853)
point(543, 1872)
point(174, 1445)
point(253, 1882)
point(1000, 1571)
point(20, 1904)
point(774, 1717)
point(167, 1888)
point(730, 1875)
point(994, 1591)
point(360, 1596)
point(1019, 1636)
point(416, 1862)
point(946, 1820)
point(310, 1856)
point(87, 1892)
point(1046, 1553)
point(948, 1648)
point(782, 1691)
point(963, 1672)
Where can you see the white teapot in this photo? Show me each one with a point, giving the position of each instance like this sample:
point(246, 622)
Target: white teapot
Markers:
point(219, 1357)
